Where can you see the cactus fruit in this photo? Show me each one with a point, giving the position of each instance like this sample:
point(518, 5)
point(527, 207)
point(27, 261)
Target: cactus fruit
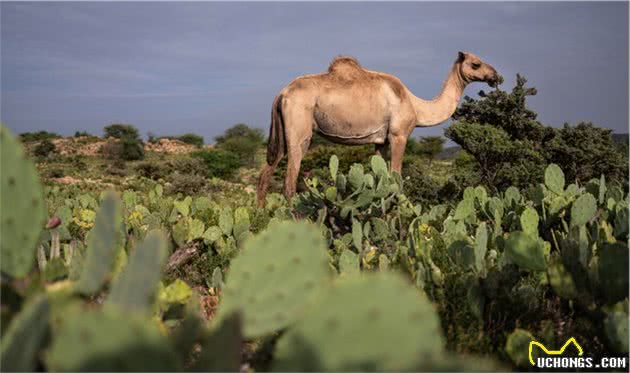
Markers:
point(525, 251)
point(554, 179)
point(101, 251)
point(134, 289)
point(583, 210)
point(352, 328)
point(22, 208)
point(107, 340)
point(274, 278)
point(26, 334)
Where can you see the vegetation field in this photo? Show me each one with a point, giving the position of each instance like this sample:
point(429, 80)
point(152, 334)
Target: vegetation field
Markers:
point(120, 254)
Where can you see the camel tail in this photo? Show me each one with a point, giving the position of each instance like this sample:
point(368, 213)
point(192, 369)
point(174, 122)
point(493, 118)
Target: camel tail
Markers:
point(276, 145)
point(276, 148)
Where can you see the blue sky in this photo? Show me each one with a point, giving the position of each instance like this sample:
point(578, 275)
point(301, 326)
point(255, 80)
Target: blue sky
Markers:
point(172, 68)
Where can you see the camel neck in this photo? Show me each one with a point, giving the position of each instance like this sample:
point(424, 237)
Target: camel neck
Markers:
point(442, 106)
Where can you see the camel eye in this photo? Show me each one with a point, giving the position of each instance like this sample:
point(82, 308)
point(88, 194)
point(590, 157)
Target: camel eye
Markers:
point(476, 65)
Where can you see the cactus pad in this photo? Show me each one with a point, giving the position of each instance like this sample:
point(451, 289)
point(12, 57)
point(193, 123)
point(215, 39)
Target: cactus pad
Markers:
point(375, 322)
point(101, 246)
point(554, 178)
point(109, 341)
point(135, 287)
point(525, 251)
point(25, 335)
point(22, 209)
point(275, 277)
point(583, 210)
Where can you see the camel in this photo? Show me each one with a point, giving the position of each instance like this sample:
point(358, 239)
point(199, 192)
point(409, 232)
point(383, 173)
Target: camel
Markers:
point(351, 105)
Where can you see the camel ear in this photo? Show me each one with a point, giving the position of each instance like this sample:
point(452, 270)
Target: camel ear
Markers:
point(461, 56)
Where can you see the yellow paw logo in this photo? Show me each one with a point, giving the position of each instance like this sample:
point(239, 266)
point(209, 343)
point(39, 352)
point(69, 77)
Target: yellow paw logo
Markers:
point(553, 352)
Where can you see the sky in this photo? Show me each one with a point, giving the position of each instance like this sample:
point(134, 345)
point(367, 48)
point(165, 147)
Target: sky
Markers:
point(172, 68)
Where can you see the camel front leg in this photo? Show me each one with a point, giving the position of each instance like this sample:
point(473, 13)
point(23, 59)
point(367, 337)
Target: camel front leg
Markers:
point(397, 144)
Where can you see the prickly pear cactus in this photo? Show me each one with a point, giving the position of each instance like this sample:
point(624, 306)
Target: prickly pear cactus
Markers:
point(525, 251)
point(107, 340)
point(101, 252)
point(22, 209)
point(554, 178)
point(20, 344)
point(583, 210)
point(352, 328)
point(274, 278)
point(135, 287)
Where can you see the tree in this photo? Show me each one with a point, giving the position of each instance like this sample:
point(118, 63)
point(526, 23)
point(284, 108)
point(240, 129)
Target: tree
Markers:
point(586, 151)
point(121, 131)
point(243, 141)
point(38, 136)
point(128, 148)
point(511, 147)
point(430, 146)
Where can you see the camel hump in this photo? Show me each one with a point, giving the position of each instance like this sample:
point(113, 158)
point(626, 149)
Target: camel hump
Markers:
point(345, 66)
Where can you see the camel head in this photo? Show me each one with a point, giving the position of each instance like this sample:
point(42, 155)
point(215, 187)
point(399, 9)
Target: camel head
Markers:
point(473, 69)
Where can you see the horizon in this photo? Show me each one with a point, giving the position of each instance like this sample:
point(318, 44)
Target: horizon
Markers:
point(175, 68)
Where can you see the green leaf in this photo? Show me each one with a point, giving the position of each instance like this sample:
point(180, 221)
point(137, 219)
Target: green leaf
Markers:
point(379, 167)
point(195, 229)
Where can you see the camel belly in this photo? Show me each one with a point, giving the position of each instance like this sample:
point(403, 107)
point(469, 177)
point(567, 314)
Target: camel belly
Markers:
point(349, 121)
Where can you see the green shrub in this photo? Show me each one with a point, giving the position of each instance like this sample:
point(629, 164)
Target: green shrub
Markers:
point(151, 170)
point(243, 141)
point(44, 149)
point(188, 184)
point(192, 139)
point(219, 163)
point(131, 149)
point(38, 136)
point(418, 186)
point(121, 131)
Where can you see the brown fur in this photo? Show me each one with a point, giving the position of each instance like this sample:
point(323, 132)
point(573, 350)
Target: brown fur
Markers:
point(351, 105)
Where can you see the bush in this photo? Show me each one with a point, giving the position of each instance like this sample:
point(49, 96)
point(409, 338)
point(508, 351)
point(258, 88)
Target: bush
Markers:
point(242, 141)
point(131, 149)
point(219, 163)
point(192, 139)
point(151, 170)
point(121, 131)
point(418, 186)
point(188, 184)
point(38, 136)
point(44, 149)
point(54, 173)
point(124, 150)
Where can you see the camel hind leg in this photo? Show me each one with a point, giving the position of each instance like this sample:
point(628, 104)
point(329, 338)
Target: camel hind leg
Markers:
point(299, 132)
point(263, 181)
